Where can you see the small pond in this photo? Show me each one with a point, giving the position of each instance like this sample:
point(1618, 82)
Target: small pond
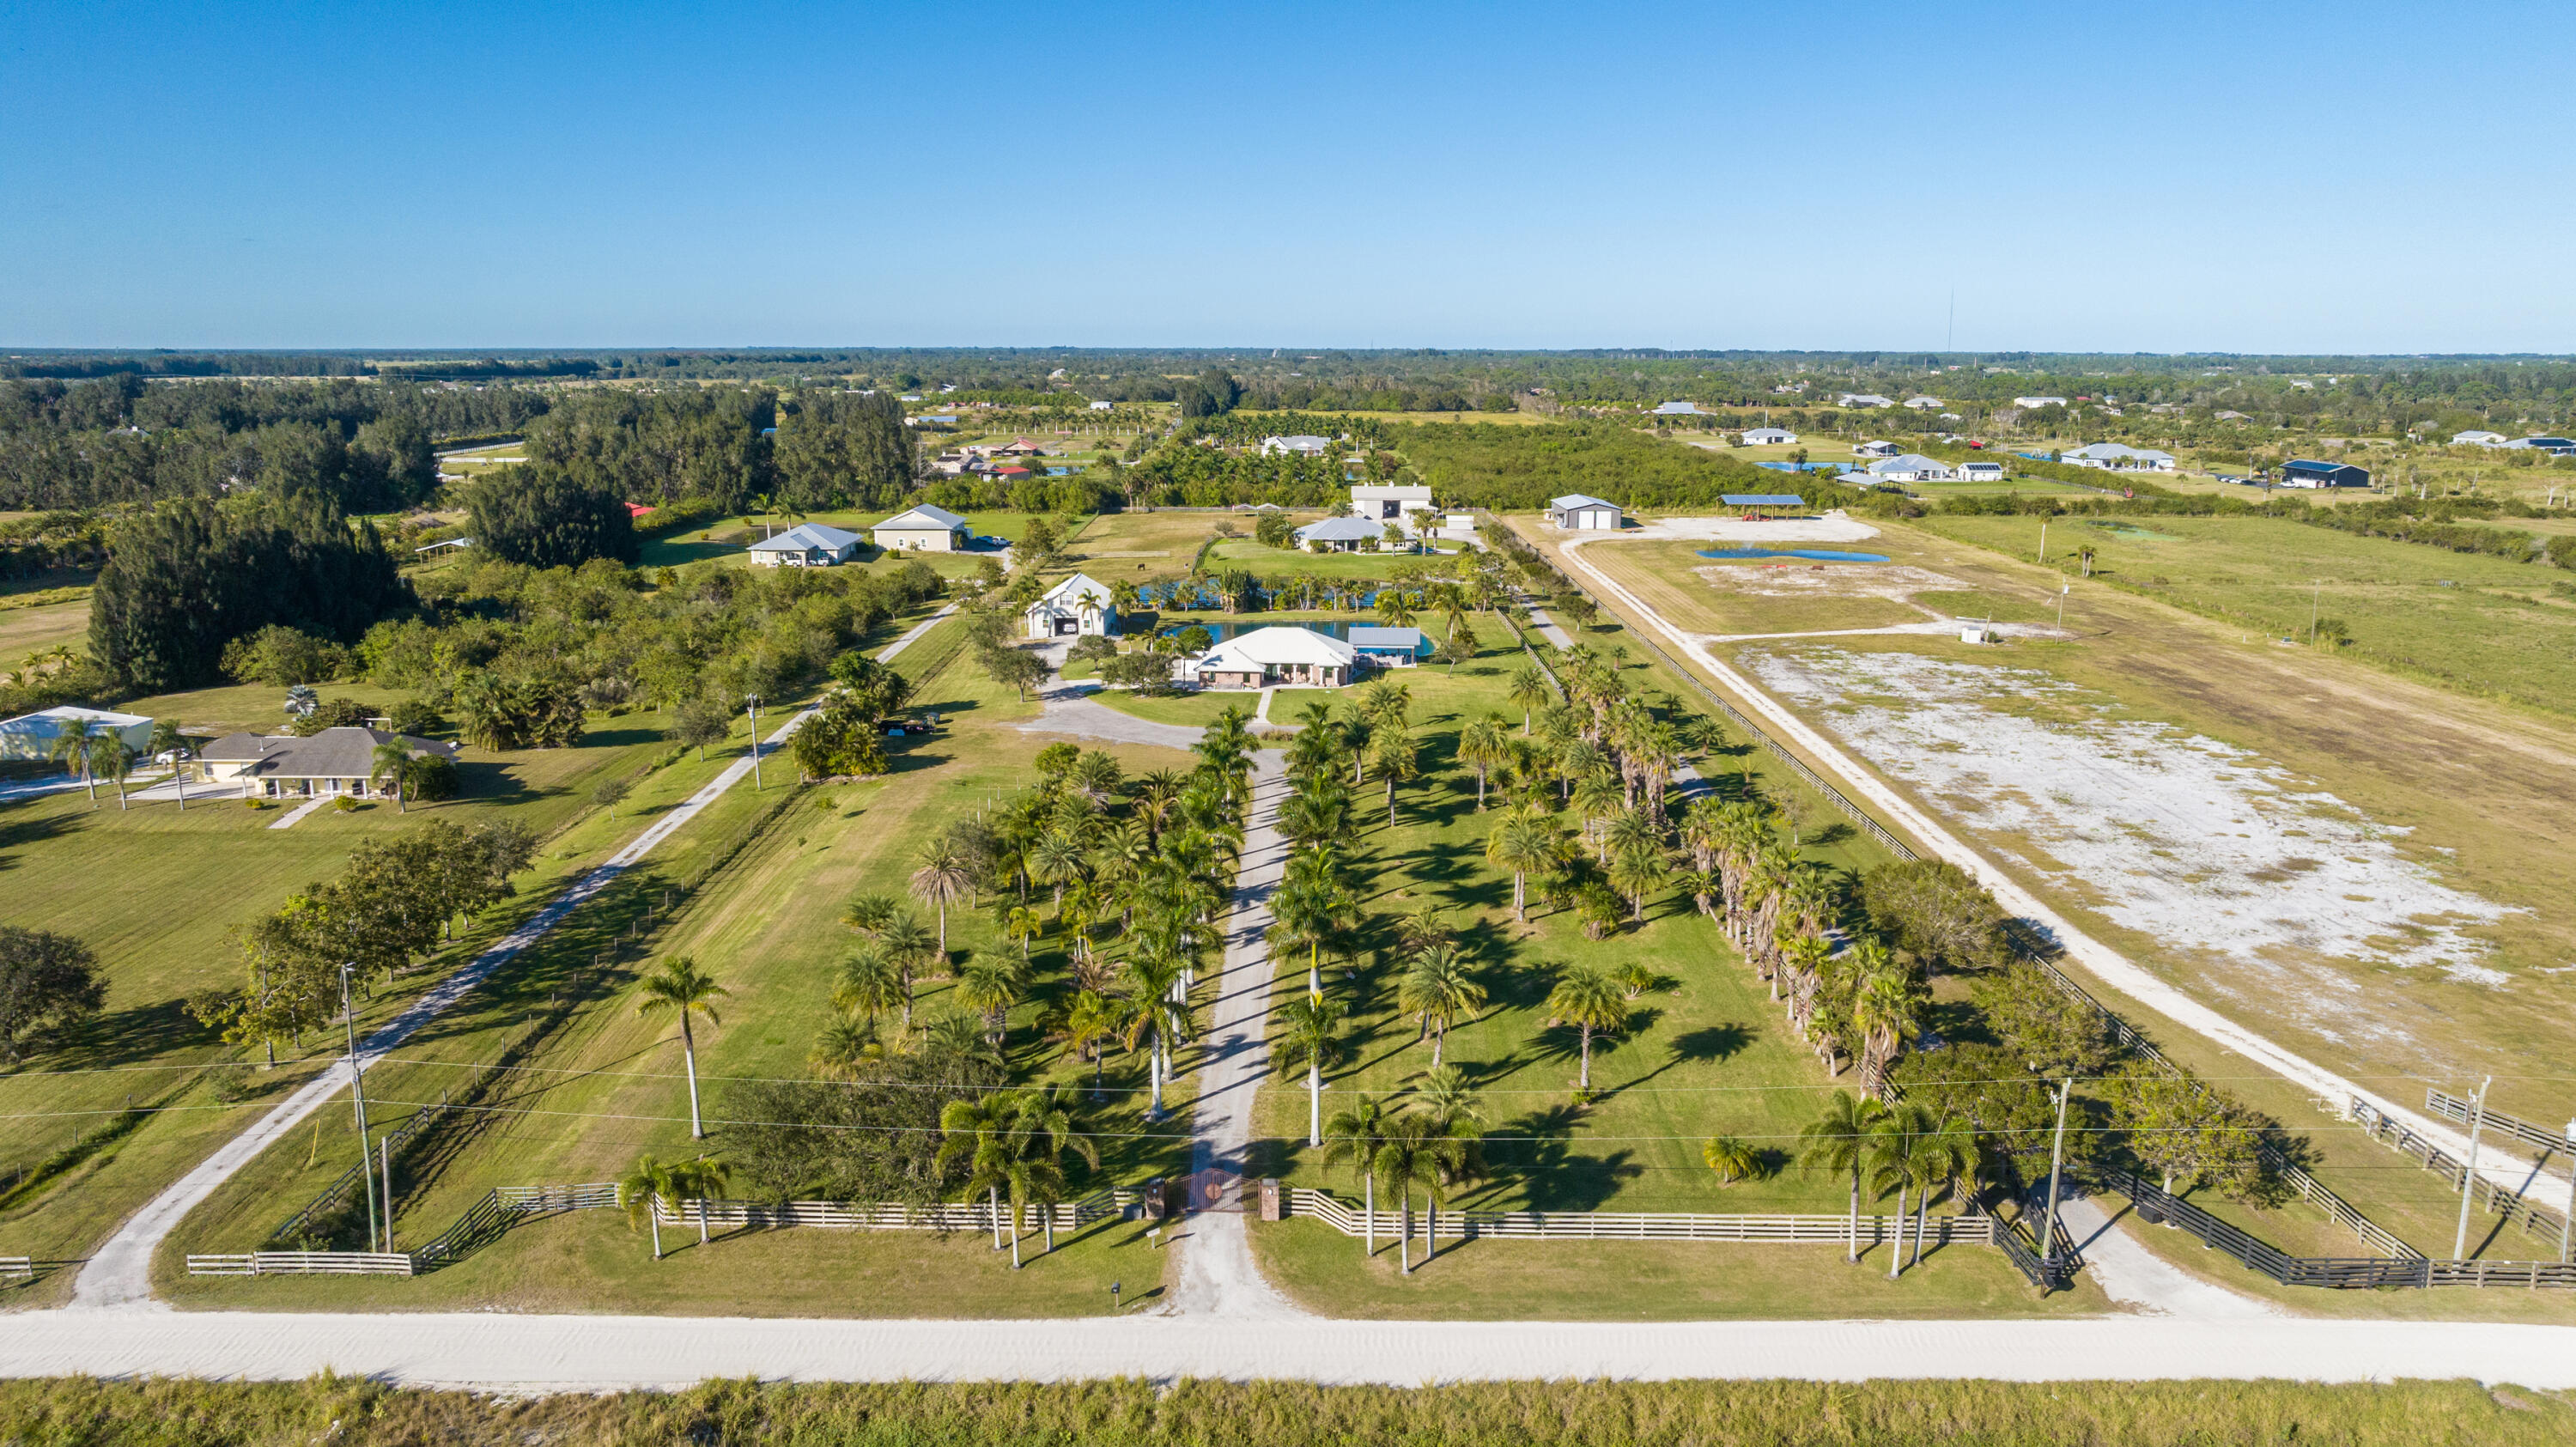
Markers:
point(1818, 555)
point(1223, 630)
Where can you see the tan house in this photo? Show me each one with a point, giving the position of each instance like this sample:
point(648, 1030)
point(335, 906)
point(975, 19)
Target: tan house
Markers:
point(334, 761)
point(924, 529)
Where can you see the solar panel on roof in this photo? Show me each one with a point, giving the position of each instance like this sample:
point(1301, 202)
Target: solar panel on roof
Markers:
point(1764, 499)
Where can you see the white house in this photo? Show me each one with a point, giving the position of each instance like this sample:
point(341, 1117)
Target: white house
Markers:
point(32, 735)
point(2477, 439)
point(806, 545)
point(2119, 456)
point(1102, 406)
point(1388, 502)
point(1266, 656)
point(1770, 437)
point(1923, 404)
point(1876, 449)
point(1980, 471)
point(1583, 513)
point(1340, 535)
point(1910, 467)
point(1679, 409)
point(1302, 445)
point(1863, 399)
point(2039, 401)
point(924, 529)
point(1079, 605)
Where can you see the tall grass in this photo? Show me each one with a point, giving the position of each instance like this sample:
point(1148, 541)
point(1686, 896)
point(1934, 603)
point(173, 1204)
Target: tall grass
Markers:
point(352, 1412)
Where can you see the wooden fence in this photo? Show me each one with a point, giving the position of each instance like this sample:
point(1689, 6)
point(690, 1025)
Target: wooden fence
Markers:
point(2343, 1273)
point(2517, 1209)
point(2452, 1107)
point(889, 1215)
point(1641, 1225)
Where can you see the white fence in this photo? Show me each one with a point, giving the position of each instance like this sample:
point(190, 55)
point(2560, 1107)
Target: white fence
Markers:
point(1642, 1225)
point(303, 1263)
point(888, 1216)
point(17, 1268)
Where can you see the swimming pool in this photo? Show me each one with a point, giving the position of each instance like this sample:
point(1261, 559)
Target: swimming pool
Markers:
point(1819, 555)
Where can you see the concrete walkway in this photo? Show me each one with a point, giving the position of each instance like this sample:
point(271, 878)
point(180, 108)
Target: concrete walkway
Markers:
point(503, 1351)
point(2104, 963)
point(296, 815)
point(1218, 1277)
point(119, 1273)
point(1548, 630)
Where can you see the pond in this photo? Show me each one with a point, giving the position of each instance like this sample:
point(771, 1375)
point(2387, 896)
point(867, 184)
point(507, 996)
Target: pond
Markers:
point(1223, 629)
point(1819, 555)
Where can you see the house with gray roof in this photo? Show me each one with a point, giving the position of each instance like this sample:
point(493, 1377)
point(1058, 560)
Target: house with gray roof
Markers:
point(1909, 467)
point(1340, 535)
point(925, 529)
point(333, 761)
point(806, 545)
point(1581, 512)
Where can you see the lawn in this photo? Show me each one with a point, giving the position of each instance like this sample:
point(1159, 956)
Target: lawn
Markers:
point(604, 1085)
point(29, 630)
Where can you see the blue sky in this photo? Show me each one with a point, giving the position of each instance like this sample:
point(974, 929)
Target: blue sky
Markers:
point(2350, 177)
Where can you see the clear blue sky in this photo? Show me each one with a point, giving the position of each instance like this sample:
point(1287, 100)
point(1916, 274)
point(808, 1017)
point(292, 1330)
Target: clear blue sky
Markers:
point(2162, 177)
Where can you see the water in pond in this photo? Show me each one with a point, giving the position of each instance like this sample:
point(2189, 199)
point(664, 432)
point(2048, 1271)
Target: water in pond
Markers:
point(1222, 630)
point(1818, 555)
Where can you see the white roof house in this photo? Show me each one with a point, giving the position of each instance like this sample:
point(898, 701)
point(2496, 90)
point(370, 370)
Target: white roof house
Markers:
point(2119, 455)
point(923, 529)
point(1910, 467)
point(806, 545)
point(1389, 501)
point(1863, 399)
point(1266, 656)
point(1340, 535)
point(1770, 437)
point(1102, 406)
point(1679, 409)
point(1922, 404)
point(1304, 445)
point(1583, 512)
point(1980, 471)
point(2039, 401)
point(1876, 448)
point(2477, 439)
point(1077, 606)
point(32, 735)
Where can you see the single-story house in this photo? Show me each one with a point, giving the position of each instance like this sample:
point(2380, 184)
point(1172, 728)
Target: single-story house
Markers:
point(924, 529)
point(1079, 605)
point(2555, 446)
point(1583, 513)
point(1391, 647)
point(2119, 456)
point(1923, 404)
point(806, 545)
point(1770, 437)
point(32, 735)
point(1388, 502)
point(2039, 401)
point(1679, 409)
point(2301, 473)
point(1980, 471)
point(1909, 467)
point(1302, 444)
point(2477, 439)
point(1340, 535)
point(1266, 656)
point(1863, 399)
point(334, 761)
point(1018, 447)
point(1102, 406)
point(1876, 448)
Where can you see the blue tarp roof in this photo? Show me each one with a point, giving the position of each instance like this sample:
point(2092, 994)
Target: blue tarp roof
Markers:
point(1764, 499)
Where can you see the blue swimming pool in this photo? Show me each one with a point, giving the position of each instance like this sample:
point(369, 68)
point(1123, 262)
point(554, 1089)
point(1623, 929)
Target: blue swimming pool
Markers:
point(1819, 555)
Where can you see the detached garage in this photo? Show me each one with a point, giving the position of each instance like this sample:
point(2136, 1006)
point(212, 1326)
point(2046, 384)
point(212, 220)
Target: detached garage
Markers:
point(1581, 513)
point(2301, 473)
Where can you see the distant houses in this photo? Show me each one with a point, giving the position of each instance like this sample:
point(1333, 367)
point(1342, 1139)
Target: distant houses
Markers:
point(923, 529)
point(2039, 401)
point(1770, 437)
point(1678, 409)
point(1391, 502)
point(2301, 472)
point(1302, 445)
point(2477, 439)
point(1924, 404)
point(1863, 399)
point(1876, 448)
point(1980, 471)
point(1077, 607)
point(806, 545)
point(1391, 647)
point(2119, 457)
point(1580, 512)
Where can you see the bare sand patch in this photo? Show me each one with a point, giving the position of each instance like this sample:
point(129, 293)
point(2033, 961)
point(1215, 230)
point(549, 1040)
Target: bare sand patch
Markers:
point(1833, 527)
point(1896, 582)
point(2205, 847)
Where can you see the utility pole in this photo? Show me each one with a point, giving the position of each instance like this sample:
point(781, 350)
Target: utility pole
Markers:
point(2469, 1177)
point(358, 1092)
point(751, 710)
point(2056, 1166)
point(386, 1148)
point(2315, 585)
point(2062, 590)
point(2043, 542)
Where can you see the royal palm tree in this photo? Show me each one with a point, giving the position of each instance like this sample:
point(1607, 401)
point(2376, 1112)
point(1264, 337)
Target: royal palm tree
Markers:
point(1484, 745)
point(699, 1181)
point(1021, 926)
point(1154, 978)
point(392, 760)
point(1588, 1000)
point(1397, 757)
point(1895, 1150)
point(1357, 1133)
point(1838, 1141)
point(681, 988)
point(943, 878)
point(1528, 689)
point(912, 945)
point(990, 986)
point(1731, 1159)
point(640, 1194)
point(1437, 989)
point(1942, 1157)
point(110, 757)
point(1310, 1035)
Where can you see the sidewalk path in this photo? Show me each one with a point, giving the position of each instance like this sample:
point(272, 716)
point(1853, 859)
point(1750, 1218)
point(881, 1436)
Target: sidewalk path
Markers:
point(119, 1273)
point(296, 815)
point(2105, 964)
point(502, 1351)
point(1218, 1277)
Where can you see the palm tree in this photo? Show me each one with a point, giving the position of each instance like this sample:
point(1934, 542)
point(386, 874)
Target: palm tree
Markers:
point(1894, 1150)
point(1154, 978)
point(1437, 989)
point(943, 878)
point(1945, 1155)
point(843, 1047)
point(1021, 926)
point(110, 756)
point(991, 985)
point(869, 913)
point(1732, 1159)
point(71, 749)
point(1089, 1026)
point(1525, 843)
point(909, 942)
point(700, 1181)
point(391, 760)
point(1637, 871)
point(641, 1193)
point(1056, 861)
point(1357, 1133)
point(1310, 1035)
point(1838, 1141)
point(977, 1128)
point(1528, 689)
point(1484, 746)
point(1588, 1000)
point(166, 739)
point(1394, 754)
point(872, 984)
point(1043, 1128)
point(1395, 607)
point(680, 988)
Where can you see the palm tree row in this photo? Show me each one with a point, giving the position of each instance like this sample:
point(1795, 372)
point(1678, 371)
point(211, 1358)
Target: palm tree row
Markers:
point(1902, 1148)
point(1434, 1141)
